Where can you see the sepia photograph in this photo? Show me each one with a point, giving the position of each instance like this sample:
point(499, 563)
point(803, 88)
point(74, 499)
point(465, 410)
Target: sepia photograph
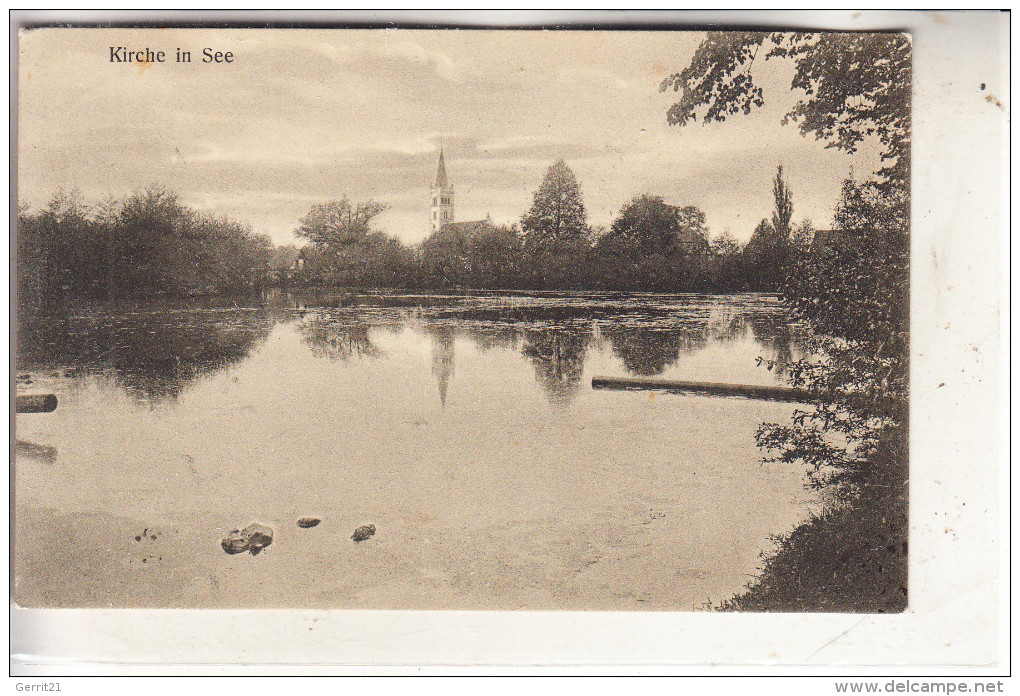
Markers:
point(463, 320)
point(489, 319)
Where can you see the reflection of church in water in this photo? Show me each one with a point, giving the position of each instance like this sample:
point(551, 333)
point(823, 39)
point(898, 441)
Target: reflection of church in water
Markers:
point(442, 358)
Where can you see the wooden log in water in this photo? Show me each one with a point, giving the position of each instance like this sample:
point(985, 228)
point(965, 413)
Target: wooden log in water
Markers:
point(35, 403)
point(747, 391)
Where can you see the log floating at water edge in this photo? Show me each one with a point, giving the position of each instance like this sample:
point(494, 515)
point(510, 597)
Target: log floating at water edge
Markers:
point(35, 403)
point(747, 391)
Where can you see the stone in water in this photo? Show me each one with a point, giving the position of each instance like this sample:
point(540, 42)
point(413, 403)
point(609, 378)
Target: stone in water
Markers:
point(252, 539)
point(259, 537)
point(235, 542)
point(363, 532)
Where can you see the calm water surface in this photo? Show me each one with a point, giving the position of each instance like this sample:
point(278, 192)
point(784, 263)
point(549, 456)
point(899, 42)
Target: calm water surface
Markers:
point(463, 426)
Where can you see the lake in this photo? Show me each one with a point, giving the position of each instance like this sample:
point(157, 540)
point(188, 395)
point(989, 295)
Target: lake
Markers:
point(463, 426)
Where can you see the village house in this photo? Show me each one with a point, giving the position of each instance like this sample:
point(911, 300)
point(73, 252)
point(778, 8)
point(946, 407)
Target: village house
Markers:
point(289, 263)
point(283, 263)
point(824, 241)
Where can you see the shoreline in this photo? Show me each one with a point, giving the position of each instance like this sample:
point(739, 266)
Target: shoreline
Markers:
point(852, 558)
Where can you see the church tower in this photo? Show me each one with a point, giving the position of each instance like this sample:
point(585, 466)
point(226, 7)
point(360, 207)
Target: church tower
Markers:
point(442, 197)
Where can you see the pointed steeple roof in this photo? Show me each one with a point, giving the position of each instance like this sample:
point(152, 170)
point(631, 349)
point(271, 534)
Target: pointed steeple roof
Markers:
point(443, 360)
point(441, 181)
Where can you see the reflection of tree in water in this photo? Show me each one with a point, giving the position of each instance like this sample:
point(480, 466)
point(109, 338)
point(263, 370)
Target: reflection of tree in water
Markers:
point(282, 305)
point(443, 355)
point(649, 350)
point(337, 338)
point(488, 336)
point(727, 326)
point(774, 333)
point(558, 355)
point(153, 355)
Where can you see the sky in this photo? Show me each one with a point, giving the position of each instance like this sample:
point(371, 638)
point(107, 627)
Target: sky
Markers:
point(304, 116)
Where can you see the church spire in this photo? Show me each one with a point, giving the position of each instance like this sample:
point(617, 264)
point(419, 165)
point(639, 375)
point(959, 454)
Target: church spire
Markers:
point(442, 196)
point(441, 181)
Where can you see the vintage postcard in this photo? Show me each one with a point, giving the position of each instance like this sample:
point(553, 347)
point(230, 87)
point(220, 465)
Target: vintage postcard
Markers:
point(464, 319)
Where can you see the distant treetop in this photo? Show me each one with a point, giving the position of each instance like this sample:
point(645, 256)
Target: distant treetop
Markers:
point(557, 214)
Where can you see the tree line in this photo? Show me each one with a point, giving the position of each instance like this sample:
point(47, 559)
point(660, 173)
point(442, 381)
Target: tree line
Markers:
point(151, 245)
point(146, 245)
point(651, 245)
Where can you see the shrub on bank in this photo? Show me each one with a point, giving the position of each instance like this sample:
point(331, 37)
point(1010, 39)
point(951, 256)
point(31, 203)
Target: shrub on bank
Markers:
point(852, 558)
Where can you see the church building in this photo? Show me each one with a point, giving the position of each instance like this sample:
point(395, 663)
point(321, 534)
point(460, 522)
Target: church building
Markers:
point(441, 211)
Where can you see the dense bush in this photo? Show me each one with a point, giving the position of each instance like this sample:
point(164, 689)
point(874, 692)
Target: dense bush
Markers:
point(146, 245)
point(854, 294)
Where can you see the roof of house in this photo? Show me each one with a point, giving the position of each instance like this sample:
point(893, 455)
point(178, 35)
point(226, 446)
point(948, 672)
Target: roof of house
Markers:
point(283, 257)
point(311, 253)
point(824, 240)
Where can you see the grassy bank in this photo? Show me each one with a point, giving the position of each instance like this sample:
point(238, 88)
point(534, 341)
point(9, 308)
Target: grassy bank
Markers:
point(850, 558)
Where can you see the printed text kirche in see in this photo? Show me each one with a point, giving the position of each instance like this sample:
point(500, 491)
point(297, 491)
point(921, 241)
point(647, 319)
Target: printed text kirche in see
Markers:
point(122, 54)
